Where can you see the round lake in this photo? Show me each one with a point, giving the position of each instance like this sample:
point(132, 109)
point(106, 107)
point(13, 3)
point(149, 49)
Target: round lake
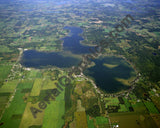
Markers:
point(111, 74)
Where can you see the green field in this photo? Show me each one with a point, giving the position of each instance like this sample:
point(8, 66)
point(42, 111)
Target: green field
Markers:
point(5, 91)
point(112, 101)
point(101, 120)
point(3, 99)
point(151, 108)
point(139, 107)
point(122, 108)
point(4, 71)
point(33, 73)
point(16, 107)
point(90, 122)
point(28, 119)
point(68, 100)
point(4, 48)
point(133, 97)
point(9, 86)
point(49, 84)
point(54, 112)
point(36, 87)
point(3, 102)
point(127, 104)
point(53, 115)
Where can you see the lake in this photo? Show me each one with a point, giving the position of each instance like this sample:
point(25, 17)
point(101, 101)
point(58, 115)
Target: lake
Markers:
point(109, 73)
point(72, 42)
point(32, 58)
point(35, 59)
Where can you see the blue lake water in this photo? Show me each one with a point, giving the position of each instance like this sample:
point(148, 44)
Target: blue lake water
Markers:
point(72, 42)
point(104, 77)
point(32, 58)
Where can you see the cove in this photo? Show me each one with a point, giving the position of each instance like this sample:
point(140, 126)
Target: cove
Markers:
point(72, 42)
point(107, 70)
